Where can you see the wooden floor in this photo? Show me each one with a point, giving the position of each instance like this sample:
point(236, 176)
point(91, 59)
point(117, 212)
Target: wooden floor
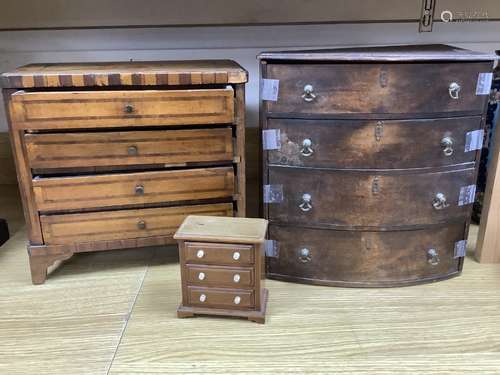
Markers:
point(114, 313)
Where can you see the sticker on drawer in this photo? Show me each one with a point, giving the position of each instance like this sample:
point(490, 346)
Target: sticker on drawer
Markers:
point(270, 89)
point(484, 81)
point(474, 140)
point(273, 193)
point(467, 195)
point(272, 248)
point(271, 139)
point(460, 249)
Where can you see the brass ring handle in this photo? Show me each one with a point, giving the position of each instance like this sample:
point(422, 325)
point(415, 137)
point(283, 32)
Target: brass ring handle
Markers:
point(129, 108)
point(454, 90)
point(447, 145)
point(306, 149)
point(304, 255)
point(132, 151)
point(440, 202)
point(308, 94)
point(306, 204)
point(139, 190)
point(433, 257)
point(141, 224)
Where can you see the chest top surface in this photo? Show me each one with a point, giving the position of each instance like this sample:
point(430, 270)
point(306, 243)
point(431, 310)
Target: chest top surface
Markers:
point(403, 53)
point(136, 73)
point(222, 229)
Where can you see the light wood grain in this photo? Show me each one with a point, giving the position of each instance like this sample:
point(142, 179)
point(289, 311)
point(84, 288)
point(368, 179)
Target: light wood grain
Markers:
point(449, 327)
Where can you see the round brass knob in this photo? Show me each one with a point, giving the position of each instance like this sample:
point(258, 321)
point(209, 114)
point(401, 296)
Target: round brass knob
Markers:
point(201, 276)
point(236, 278)
point(203, 298)
point(237, 300)
point(139, 190)
point(141, 224)
point(200, 254)
point(132, 150)
point(236, 255)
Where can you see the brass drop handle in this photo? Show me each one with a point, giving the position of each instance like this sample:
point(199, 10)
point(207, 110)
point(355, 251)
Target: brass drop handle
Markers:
point(447, 145)
point(304, 255)
point(454, 90)
point(132, 151)
point(308, 94)
point(139, 190)
point(141, 224)
point(440, 202)
point(306, 149)
point(306, 204)
point(129, 108)
point(433, 257)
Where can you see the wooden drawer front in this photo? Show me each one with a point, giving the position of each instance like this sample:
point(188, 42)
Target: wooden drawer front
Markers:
point(398, 88)
point(64, 193)
point(356, 198)
point(220, 276)
point(373, 144)
point(67, 150)
point(124, 224)
point(222, 298)
point(212, 253)
point(370, 258)
point(82, 109)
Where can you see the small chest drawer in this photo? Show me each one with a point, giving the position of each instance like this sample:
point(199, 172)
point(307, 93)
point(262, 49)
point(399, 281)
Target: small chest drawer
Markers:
point(369, 198)
point(221, 254)
point(231, 277)
point(64, 193)
point(73, 150)
point(358, 258)
point(222, 298)
point(84, 109)
point(390, 144)
point(354, 89)
point(122, 225)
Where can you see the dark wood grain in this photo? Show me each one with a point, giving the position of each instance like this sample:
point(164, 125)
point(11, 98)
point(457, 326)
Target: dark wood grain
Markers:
point(354, 258)
point(352, 199)
point(395, 89)
point(373, 144)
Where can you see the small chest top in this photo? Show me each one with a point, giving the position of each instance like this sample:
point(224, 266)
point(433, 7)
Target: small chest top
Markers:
point(136, 73)
point(222, 229)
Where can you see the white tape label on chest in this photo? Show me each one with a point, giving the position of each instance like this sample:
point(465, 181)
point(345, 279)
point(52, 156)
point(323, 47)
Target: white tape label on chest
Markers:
point(484, 81)
point(272, 248)
point(467, 195)
point(460, 249)
point(273, 193)
point(474, 140)
point(271, 139)
point(270, 89)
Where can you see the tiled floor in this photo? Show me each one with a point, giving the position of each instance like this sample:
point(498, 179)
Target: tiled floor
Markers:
point(114, 312)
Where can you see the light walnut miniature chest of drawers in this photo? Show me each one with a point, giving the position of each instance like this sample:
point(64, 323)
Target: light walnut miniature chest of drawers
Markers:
point(116, 155)
point(370, 162)
point(222, 264)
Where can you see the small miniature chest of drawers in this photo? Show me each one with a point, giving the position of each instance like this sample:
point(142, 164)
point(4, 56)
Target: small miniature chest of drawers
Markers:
point(116, 155)
point(370, 161)
point(222, 267)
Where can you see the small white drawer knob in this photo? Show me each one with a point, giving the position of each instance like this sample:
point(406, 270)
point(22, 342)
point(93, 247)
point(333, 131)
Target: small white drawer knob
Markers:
point(236, 255)
point(200, 254)
point(203, 298)
point(237, 300)
point(201, 276)
point(236, 278)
